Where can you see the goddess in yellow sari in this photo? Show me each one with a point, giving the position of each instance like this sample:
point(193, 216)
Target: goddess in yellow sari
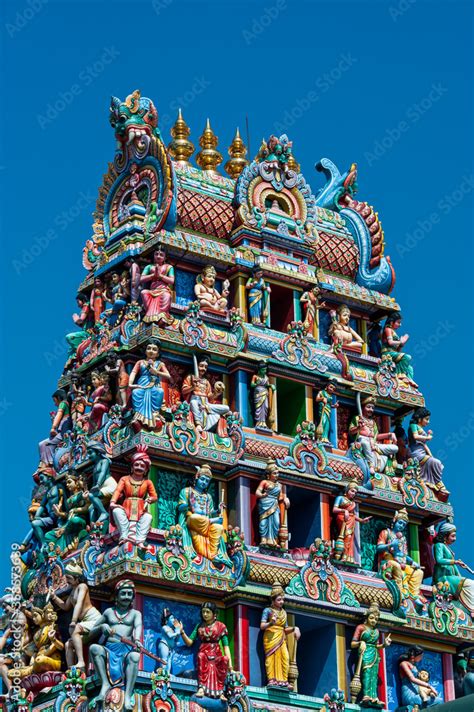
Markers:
point(275, 632)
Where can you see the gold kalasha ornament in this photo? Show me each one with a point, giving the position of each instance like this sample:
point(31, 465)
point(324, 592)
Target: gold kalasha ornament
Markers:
point(237, 152)
point(209, 157)
point(180, 148)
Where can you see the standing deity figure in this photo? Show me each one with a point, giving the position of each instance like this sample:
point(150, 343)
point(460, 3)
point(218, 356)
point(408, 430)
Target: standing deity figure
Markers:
point(78, 402)
point(415, 688)
point(311, 306)
point(345, 517)
point(213, 665)
point(98, 299)
point(84, 320)
point(117, 299)
point(115, 367)
point(145, 383)
point(363, 428)
point(202, 524)
point(366, 641)
point(207, 294)
point(100, 400)
point(392, 345)
point(276, 632)
point(418, 439)
point(116, 661)
point(392, 549)
point(446, 567)
point(157, 282)
point(61, 424)
point(272, 507)
point(135, 492)
point(341, 332)
point(325, 401)
point(262, 395)
point(103, 484)
point(258, 297)
point(197, 389)
point(171, 629)
point(84, 614)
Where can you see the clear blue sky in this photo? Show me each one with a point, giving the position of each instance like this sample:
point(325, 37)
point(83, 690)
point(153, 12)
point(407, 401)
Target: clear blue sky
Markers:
point(387, 84)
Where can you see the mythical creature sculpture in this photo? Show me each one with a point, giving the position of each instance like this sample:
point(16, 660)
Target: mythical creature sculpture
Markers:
point(135, 122)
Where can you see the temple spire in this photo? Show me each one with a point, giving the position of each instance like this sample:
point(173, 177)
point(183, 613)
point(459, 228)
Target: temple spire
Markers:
point(293, 164)
point(208, 157)
point(237, 152)
point(180, 148)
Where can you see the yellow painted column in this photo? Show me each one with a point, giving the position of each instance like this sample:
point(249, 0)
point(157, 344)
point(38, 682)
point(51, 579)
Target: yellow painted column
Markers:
point(309, 402)
point(292, 650)
point(341, 657)
point(363, 330)
point(240, 294)
point(316, 325)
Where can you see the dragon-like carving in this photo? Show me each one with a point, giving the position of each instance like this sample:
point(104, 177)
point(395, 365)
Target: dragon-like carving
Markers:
point(135, 122)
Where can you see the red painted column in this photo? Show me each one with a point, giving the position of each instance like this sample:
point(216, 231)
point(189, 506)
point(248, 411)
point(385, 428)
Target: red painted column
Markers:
point(241, 646)
point(325, 517)
point(382, 688)
point(448, 677)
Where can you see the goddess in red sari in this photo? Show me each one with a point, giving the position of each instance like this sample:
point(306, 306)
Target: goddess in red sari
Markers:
point(212, 665)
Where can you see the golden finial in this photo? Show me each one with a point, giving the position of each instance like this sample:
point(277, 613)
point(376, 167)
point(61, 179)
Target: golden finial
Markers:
point(237, 152)
point(180, 148)
point(208, 158)
point(293, 164)
point(262, 151)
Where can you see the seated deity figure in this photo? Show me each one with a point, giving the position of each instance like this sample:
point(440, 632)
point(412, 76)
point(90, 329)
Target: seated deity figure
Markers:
point(258, 297)
point(207, 294)
point(46, 646)
point(61, 424)
point(392, 345)
point(103, 483)
point(197, 389)
point(364, 430)
point(116, 661)
point(415, 687)
point(392, 549)
point(157, 282)
point(84, 320)
point(418, 439)
point(341, 332)
point(446, 567)
point(201, 522)
point(43, 514)
point(131, 499)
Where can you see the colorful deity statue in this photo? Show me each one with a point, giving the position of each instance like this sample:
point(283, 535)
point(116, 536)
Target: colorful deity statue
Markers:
point(418, 438)
point(366, 641)
point(262, 396)
point(103, 484)
point(116, 660)
point(157, 282)
point(119, 378)
point(415, 688)
point(379, 456)
point(341, 332)
point(206, 293)
point(446, 567)
point(130, 501)
point(77, 402)
point(100, 400)
point(145, 383)
point(276, 634)
point(46, 646)
point(84, 614)
point(392, 549)
point(61, 423)
point(197, 389)
point(43, 513)
point(258, 297)
point(84, 320)
point(116, 299)
point(14, 618)
point(171, 629)
point(392, 345)
point(203, 525)
point(214, 660)
point(311, 305)
point(345, 517)
point(326, 402)
point(98, 299)
point(272, 507)
point(71, 515)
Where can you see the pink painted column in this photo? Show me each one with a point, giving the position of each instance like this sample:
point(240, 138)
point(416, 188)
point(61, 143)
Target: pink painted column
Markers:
point(448, 677)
